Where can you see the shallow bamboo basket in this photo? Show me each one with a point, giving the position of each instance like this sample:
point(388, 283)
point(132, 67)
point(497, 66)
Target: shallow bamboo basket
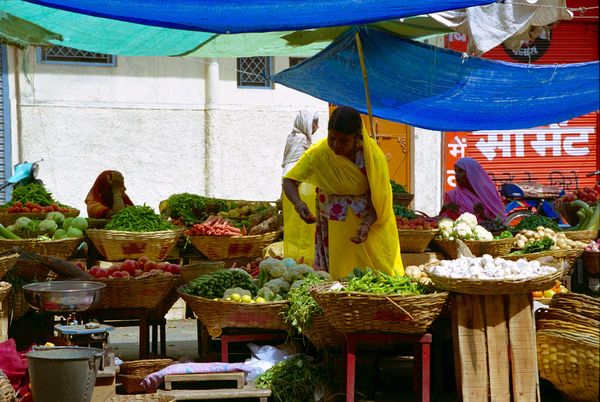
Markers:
point(62, 249)
point(495, 286)
point(555, 318)
point(350, 312)
point(7, 392)
point(4, 291)
point(581, 235)
point(415, 241)
point(147, 292)
point(219, 314)
point(7, 262)
point(117, 245)
point(569, 256)
point(584, 305)
point(570, 361)
point(226, 247)
point(132, 373)
point(8, 219)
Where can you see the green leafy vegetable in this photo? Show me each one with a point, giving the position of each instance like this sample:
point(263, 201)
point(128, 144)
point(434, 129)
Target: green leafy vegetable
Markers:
point(302, 305)
point(35, 193)
point(397, 188)
point(533, 221)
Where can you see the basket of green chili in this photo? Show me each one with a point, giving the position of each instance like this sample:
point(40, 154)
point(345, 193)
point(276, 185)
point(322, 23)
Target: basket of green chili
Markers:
point(134, 232)
point(379, 302)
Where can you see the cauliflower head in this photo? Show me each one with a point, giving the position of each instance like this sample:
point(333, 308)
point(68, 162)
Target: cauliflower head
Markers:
point(469, 219)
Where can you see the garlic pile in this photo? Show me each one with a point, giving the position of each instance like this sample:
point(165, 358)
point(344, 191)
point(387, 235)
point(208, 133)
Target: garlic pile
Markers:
point(560, 240)
point(488, 267)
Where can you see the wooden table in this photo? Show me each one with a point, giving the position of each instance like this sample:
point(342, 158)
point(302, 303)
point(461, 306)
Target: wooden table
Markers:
point(495, 352)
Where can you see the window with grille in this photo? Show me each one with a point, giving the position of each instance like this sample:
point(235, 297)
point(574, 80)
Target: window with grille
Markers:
point(68, 55)
point(254, 72)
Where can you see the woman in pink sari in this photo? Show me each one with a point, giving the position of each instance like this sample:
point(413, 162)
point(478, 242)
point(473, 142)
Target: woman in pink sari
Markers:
point(475, 192)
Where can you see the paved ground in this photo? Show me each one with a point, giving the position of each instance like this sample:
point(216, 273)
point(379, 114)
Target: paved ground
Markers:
point(394, 382)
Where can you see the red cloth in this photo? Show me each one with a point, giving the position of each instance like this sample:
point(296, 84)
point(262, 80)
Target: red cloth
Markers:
point(14, 364)
point(99, 200)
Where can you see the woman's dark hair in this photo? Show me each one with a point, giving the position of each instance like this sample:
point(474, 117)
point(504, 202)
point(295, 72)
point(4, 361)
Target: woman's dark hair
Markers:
point(346, 120)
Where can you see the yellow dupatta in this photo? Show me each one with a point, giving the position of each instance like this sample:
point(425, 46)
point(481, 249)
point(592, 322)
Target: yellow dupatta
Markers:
point(335, 174)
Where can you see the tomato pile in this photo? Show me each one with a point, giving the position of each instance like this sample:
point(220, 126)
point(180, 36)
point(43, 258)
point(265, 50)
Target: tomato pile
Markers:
point(591, 195)
point(418, 223)
point(30, 207)
point(143, 267)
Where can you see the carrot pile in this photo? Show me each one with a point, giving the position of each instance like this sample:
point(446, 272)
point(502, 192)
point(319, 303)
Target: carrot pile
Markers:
point(214, 226)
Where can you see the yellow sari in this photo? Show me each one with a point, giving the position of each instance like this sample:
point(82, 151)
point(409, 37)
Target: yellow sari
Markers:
point(335, 174)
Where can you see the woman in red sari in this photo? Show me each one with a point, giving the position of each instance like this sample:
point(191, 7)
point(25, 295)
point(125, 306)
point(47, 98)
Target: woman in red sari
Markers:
point(107, 196)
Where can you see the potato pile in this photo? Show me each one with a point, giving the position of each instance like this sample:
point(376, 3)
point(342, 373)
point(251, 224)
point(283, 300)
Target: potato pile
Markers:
point(560, 239)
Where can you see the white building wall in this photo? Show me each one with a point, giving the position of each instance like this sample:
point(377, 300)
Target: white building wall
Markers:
point(427, 157)
point(148, 117)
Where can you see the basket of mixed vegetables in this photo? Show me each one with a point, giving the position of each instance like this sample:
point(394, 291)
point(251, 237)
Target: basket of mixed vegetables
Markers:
point(243, 230)
point(34, 202)
point(231, 298)
point(415, 232)
point(134, 232)
point(375, 301)
point(54, 236)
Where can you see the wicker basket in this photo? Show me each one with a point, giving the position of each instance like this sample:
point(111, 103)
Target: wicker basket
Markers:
point(570, 361)
point(581, 235)
point(7, 392)
point(8, 219)
point(117, 245)
point(322, 334)
point(146, 292)
point(4, 291)
point(7, 262)
point(132, 373)
point(193, 271)
point(402, 199)
point(219, 314)
point(53, 248)
point(569, 256)
point(495, 248)
point(225, 247)
point(591, 262)
point(350, 312)
point(142, 398)
point(584, 305)
point(556, 318)
point(415, 241)
point(494, 286)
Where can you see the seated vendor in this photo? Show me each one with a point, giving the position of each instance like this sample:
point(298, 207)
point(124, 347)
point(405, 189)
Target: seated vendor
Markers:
point(475, 192)
point(107, 196)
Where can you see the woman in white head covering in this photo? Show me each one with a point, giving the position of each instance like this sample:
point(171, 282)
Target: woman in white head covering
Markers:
point(297, 235)
point(300, 138)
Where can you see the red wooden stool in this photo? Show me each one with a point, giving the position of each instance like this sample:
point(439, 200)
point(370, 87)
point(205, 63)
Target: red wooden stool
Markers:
point(422, 352)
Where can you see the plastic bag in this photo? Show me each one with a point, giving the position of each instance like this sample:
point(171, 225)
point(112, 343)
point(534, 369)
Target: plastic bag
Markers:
point(263, 358)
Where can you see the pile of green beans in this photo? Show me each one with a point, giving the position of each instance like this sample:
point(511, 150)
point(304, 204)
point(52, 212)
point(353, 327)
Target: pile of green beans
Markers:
point(138, 219)
point(35, 193)
point(381, 283)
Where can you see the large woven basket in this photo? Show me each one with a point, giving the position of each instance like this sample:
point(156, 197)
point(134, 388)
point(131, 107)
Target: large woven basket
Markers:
point(495, 248)
point(117, 245)
point(7, 262)
point(4, 290)
point(556, 318)
point(132, 373)
point(322, 334)
point(581, 235)
point(219, 314)
point(350, 312)
point(570, 361)
point(147, 292)
point(402, 199)
point(415, 241)
point(9, 218)
point(53, 248)
point(494, 286)
point(7, 392)
point(219, 248)
point(584, 305)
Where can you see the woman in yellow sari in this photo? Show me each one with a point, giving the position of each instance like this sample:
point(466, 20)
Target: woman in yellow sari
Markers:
point(355, 224)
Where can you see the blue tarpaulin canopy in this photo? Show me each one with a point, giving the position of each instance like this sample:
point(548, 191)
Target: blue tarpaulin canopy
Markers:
point(437, 89)
point(240, 16)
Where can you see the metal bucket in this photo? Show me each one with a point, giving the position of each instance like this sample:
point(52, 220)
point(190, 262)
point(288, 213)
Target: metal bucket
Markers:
point(65, 373)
